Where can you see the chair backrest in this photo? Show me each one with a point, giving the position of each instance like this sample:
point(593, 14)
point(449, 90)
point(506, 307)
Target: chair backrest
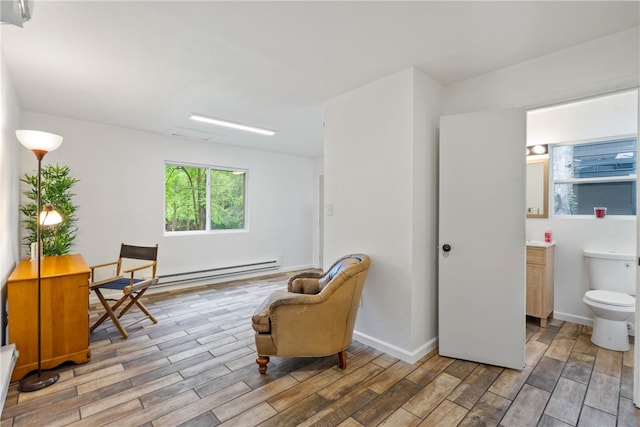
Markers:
point(345, 282)
point(139, 252)
point(338, 267)
point(132, 256)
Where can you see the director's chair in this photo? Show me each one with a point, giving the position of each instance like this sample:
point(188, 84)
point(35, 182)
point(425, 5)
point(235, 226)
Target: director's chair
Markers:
point(144, 260)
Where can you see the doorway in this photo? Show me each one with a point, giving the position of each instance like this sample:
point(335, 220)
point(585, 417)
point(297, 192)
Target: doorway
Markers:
point(586, 171)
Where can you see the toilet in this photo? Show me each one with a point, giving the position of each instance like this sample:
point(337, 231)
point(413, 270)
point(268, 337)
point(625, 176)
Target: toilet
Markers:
point(612, 280)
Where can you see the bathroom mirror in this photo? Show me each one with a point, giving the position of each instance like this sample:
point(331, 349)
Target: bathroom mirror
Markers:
point(538, 188)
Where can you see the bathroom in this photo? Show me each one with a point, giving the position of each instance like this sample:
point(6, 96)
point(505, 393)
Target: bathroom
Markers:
point(608, 117)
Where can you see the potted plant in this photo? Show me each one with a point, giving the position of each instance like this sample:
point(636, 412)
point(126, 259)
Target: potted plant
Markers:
point(56, 184)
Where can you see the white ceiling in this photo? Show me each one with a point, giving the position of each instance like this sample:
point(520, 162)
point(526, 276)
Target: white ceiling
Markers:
point(148, 65)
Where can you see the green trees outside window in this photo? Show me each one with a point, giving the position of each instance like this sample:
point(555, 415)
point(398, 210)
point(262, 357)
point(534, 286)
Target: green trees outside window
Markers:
point(203, 198)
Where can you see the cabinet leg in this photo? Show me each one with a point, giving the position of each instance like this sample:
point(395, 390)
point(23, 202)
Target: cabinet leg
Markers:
point(543, 323)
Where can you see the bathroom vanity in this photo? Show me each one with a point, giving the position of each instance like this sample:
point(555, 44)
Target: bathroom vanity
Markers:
point(540, 280)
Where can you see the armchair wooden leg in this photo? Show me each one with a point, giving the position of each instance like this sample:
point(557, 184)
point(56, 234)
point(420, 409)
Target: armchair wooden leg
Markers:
point(342, 360)
point(262, 362)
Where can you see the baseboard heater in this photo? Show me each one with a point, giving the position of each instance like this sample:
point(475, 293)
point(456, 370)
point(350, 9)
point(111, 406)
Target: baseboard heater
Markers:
point(217, 273)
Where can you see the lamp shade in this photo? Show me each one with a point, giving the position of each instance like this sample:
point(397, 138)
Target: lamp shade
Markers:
point(49, 216)
point(38, 140)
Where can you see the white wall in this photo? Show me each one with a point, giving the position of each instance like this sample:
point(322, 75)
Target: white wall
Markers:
point(379, 157)
point(604, 65)
point(427, 107)
point(120, 196)
point(590, 119)
point(9, 184)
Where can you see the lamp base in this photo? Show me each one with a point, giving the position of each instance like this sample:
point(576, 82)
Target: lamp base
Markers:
point(38, 381)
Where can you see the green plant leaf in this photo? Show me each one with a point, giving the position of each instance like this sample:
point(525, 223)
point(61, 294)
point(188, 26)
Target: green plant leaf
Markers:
point(56, 184)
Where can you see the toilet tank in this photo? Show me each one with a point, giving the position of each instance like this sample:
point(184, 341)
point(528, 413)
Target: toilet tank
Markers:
point(611, 271)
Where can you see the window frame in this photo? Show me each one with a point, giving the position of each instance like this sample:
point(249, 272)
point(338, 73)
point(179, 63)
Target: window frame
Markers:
point(596, 180)
point(208, 229)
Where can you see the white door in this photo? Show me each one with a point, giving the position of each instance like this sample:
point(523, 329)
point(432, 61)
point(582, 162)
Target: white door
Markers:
point(482, 237)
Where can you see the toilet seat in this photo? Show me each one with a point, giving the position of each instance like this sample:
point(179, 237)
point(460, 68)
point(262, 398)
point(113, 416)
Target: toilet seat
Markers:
point(612, 298)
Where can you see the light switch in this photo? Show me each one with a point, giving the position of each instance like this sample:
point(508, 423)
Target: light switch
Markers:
point(329, 208)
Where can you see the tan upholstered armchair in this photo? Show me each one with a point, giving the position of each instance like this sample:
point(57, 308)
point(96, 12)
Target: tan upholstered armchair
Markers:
point(315, 316)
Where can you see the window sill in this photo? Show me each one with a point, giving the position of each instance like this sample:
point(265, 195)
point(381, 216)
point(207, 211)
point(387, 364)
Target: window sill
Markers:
point(585, 217)
point(202, 232)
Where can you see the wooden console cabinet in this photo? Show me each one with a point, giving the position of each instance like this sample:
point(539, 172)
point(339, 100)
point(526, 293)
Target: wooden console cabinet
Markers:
point(65, 312)
point(540, 282)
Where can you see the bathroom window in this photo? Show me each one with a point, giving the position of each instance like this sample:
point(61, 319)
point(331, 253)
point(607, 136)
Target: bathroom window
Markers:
point(595, 174)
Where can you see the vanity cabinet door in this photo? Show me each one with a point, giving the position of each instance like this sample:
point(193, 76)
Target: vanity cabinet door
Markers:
point(535, 290)
point(540, 283)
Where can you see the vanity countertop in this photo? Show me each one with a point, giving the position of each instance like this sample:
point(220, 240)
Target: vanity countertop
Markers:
point(539, 244)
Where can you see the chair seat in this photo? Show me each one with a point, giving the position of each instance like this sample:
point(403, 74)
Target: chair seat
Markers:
point(118, 284)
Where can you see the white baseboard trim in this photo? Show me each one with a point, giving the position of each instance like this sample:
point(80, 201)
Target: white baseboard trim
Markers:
point(229, 278)
point(395, 351)
point(580, 320)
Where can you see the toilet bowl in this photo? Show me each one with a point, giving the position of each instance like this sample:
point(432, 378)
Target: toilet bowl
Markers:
point(611, 311)
point(612, 280)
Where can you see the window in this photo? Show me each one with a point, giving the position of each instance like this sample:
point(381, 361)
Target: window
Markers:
point(202, 198)
point(593, 174)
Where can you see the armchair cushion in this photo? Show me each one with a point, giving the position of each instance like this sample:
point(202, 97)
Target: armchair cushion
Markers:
point(305, 285)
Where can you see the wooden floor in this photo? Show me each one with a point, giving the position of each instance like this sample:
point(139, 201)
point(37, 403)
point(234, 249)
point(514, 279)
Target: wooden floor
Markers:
point(196, 367)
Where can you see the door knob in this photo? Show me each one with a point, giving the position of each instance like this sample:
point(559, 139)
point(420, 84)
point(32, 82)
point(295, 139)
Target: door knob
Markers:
point(446, 247)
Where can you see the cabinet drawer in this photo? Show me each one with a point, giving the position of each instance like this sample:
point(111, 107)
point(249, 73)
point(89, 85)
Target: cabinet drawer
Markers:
point(536, 256)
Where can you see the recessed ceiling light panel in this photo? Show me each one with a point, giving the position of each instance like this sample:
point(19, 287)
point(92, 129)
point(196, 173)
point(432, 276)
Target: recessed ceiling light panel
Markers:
point(232, 125)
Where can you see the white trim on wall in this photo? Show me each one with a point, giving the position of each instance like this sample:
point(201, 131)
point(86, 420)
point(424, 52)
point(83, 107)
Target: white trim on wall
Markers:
point(405, 355)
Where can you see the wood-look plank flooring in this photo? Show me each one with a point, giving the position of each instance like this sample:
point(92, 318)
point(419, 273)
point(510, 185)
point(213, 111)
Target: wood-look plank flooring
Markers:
point(196, 367)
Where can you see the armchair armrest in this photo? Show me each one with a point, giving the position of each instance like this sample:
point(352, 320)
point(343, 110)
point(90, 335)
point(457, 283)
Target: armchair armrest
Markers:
point(106, 264)
point(93, 268)
point(261, 319)
point(141, 284)
point(103, 265)
point(140, 267)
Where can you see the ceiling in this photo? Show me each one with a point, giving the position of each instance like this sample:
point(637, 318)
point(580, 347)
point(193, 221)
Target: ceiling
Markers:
point(148, 65)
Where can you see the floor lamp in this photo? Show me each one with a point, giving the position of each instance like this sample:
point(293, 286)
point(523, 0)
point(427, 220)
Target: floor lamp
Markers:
point(40, 143)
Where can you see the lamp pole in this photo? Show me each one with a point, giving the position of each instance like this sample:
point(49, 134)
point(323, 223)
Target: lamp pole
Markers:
point(40, 143)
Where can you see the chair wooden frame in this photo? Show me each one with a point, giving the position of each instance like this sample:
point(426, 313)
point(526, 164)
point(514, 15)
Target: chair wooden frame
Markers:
point(131, 287)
